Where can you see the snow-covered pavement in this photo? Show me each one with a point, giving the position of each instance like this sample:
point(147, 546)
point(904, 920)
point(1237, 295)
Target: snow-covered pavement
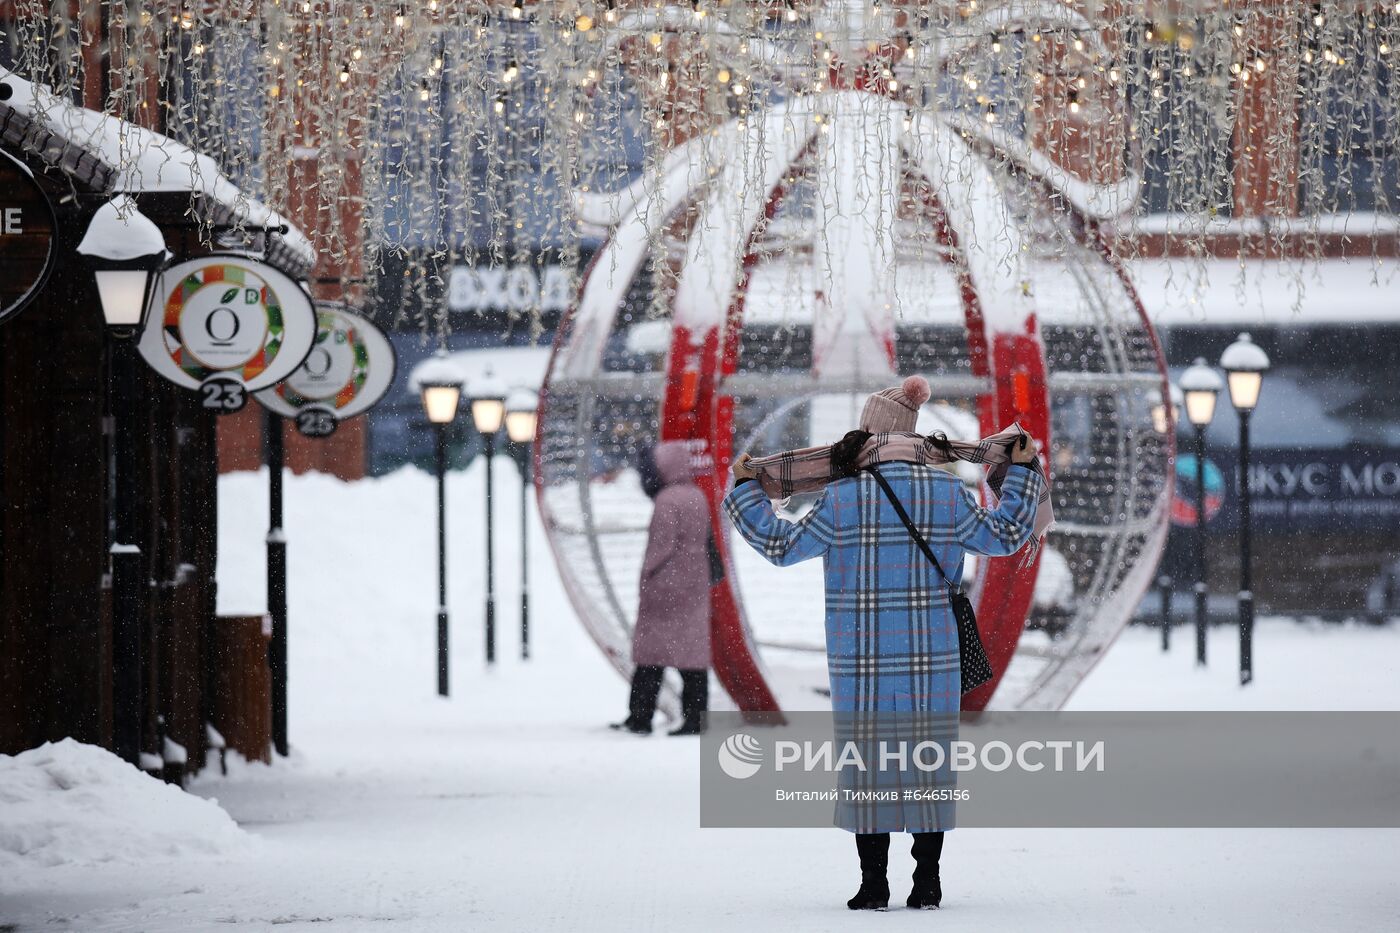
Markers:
point(511, 807)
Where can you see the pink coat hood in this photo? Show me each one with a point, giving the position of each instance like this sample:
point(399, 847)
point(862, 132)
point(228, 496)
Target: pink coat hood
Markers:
point(673, 463)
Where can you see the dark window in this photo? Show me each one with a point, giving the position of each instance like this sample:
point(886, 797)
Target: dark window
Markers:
point(1182, 115)
point(1348, 159)
point(469, 168)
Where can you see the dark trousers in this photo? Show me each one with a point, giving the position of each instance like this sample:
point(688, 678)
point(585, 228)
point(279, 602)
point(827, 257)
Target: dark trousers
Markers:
point(874, 851)
point(646, 687)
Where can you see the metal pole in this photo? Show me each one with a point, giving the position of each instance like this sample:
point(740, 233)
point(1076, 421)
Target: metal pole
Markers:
point(525, 555)
point(441, 433)
point(1164, 585)
point(276, 580)
point(1200, 544)
point(1246, 597)
point(490, 556)
point(128, 702)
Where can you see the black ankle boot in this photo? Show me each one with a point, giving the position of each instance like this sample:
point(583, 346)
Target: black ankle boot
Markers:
point(874, 893)
point(628, 725)
point(695, 700)
point(927, 892)
point(641, 704)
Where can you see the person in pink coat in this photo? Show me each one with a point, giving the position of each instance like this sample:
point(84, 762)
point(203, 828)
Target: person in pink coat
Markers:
point(673, 615)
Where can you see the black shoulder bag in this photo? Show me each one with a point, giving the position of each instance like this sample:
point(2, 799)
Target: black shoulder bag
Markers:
point(716, 561)
point(976, 670)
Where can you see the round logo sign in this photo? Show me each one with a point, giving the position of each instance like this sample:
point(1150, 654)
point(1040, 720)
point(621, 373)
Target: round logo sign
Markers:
point(26, 236)
point(1184, 503)
point(336, 367)
point(349, 369)
point(227, 325)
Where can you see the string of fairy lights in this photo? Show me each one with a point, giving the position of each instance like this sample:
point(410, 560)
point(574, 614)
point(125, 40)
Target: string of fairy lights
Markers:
point(464, 132)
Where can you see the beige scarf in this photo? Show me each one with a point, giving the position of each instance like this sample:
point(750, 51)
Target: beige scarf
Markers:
point(808, 469)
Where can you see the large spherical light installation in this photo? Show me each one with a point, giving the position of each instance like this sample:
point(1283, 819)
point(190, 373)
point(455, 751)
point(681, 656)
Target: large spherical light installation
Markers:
point(845, 241)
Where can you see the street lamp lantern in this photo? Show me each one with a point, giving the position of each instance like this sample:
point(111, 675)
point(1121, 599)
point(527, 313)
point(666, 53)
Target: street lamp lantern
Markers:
point(1165, 417)
point(521, 409)
point(124, 289)
point(439, 383)
point(440, 401)
point(126, 252)
point(488, 405)
point(1245, 363)
point(520, 413)
point(1200, 386)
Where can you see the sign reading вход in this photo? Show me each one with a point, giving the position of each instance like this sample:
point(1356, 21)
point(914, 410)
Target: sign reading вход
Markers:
point(509, 288)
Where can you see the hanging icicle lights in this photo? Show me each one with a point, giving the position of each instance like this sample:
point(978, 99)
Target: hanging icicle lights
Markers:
point(447, 132)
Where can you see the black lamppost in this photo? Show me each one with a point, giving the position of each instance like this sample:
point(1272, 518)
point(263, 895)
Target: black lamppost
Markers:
point(1165, 416)
point(521, 408)
point(274, 453)
point(440, 386)
point(1200, 385)
point(488, 411)
point(126, 251)
point(1245, 363)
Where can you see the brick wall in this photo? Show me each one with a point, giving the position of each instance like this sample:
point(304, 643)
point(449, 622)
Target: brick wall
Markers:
point(342, 454)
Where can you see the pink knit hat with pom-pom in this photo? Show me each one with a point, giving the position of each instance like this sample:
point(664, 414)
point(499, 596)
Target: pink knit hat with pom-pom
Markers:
point(896, 409)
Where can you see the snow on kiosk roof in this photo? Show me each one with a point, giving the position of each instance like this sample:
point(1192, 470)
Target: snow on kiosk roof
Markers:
point(135, 160)
point(514, 367)
point(1272, 292)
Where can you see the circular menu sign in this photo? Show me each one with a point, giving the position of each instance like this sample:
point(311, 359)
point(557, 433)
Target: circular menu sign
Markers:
point(348, 370)
point(227, 325)
point(335, 365)
point(26, 236)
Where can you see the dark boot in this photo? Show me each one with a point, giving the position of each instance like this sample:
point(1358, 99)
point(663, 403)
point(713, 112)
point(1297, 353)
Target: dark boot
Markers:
point(641, 705)
point(874, 893)
point(927, 893)
point(695, 700)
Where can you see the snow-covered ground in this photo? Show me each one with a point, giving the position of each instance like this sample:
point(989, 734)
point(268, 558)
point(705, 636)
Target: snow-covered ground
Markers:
point(509, 806)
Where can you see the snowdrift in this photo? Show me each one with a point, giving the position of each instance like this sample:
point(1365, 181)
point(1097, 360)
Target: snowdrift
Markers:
point(67, 803)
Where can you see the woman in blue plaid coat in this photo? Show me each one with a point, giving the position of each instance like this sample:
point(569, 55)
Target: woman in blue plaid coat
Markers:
point(891, 638)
